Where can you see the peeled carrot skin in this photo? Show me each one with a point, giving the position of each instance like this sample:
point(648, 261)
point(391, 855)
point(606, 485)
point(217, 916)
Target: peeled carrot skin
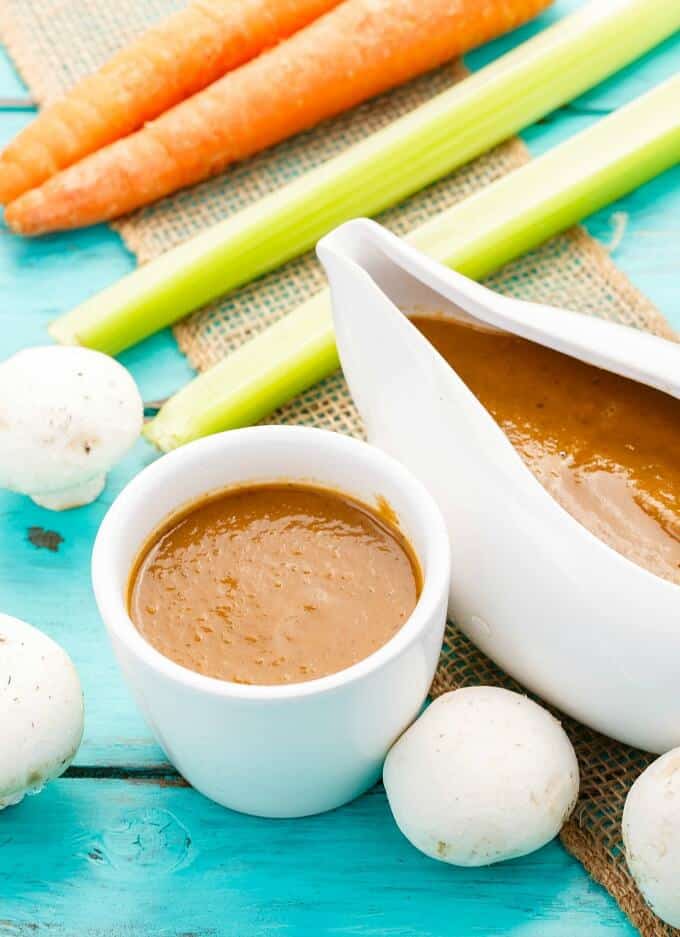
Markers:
point(174, 60)
point(354, 52)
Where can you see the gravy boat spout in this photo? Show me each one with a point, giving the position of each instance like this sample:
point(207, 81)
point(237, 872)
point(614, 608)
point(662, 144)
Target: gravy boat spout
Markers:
point(554, 606)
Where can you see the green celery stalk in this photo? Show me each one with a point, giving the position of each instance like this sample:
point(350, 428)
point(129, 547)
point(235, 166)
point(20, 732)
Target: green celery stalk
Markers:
point(279, 363)
point(476, 236)
point(452, 128)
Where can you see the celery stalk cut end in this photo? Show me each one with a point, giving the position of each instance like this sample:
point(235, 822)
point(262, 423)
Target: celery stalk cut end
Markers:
point(62, 333)
point(155, 433)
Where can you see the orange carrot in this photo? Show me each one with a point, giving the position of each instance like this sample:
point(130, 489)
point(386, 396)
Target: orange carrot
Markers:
point(358, 49)
point(171, 61)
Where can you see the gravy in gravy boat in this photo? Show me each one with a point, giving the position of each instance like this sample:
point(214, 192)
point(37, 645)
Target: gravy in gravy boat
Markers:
point(605, 447)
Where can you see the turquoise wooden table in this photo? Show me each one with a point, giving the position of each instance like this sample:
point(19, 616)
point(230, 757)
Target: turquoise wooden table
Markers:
point(120, 846)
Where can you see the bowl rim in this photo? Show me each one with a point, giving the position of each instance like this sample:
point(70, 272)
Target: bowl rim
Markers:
point(436, 569)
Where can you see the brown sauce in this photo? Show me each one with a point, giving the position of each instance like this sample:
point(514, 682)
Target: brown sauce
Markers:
point(273, 584)
point(605, 447)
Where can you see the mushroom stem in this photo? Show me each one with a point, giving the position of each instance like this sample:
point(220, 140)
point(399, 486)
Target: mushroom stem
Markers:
point(72, 497)
point(12, 799)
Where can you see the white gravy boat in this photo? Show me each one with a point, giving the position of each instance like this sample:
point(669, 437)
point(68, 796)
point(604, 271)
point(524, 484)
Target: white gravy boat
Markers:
point(554, 606)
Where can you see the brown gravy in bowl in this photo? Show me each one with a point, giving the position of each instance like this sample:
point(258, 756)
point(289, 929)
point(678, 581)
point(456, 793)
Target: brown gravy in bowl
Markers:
point(605, 447)
point(274, 584)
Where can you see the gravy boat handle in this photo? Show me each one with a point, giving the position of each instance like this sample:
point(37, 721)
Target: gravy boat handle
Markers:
point(624, 350)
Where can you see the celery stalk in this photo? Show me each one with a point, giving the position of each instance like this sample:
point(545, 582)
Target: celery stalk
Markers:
point(279, 363)
point(452, 128)
point(476, 236)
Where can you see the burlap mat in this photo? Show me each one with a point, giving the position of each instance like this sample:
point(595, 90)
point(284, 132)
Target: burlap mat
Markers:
point(53, 42)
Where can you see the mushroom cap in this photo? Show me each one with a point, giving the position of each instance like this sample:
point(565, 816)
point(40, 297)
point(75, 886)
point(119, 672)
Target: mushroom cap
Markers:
point(67, 414)
point(483, 775)
point(651, 835)
point(41, 710)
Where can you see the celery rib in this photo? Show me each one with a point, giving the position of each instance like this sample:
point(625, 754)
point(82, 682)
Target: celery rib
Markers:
point(454, 127)
point(476, 236)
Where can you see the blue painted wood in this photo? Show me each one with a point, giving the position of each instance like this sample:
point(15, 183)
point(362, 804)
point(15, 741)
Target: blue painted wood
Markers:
point(96, 856)
point(106, 857)
point(40, 279)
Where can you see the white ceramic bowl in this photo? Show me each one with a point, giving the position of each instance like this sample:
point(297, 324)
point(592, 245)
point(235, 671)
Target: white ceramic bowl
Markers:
point(277, 751)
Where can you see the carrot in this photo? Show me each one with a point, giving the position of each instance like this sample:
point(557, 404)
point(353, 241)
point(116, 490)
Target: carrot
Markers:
point(358, 49)
point(173, 60)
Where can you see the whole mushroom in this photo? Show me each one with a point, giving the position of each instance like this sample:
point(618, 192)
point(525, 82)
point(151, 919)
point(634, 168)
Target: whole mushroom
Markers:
point(651, 835)
point(67, 415)
point(483, 775)
point(41, 710)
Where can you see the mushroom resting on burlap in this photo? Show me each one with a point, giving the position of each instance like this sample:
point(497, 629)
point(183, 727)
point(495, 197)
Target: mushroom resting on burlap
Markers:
point(482, 776)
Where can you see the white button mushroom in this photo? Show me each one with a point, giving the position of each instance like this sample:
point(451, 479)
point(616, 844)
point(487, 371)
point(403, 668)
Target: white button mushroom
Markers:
point(41, 710)
point(483, 775)
point(651, 835)
point(67, 415)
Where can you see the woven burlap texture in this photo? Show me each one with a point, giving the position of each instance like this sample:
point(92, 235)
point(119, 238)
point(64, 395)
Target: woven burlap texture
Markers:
point(53, 42)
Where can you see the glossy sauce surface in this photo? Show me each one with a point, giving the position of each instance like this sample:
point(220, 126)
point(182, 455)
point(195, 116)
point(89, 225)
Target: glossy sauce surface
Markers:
point(606, 448)
point(273, 584)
